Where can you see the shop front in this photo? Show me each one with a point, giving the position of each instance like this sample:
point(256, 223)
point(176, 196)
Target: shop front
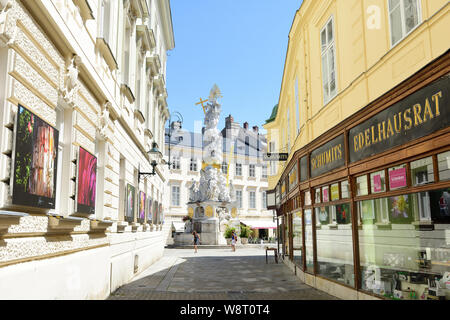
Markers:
point(370, 208)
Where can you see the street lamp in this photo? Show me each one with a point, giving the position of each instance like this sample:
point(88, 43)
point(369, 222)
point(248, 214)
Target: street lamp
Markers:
point(178, 125)
point(154, 150)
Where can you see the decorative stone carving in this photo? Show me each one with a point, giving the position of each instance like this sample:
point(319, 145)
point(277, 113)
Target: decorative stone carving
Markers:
point(104, 121)
point(5, 6)
point(72, 86)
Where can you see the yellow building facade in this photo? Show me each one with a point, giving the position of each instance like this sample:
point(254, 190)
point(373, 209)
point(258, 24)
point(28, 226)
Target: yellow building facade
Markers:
point(367, 64)
point(363, 200)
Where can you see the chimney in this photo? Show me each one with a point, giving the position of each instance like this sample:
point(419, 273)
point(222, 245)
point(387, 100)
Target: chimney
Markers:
point(255, 129)
point(246, 125)
point(228, 121)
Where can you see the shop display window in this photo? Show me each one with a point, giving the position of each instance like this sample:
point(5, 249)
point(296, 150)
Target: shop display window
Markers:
point(334, 243)
point(377, 182)
point(422, 171)
point(345, 189)
point(297, 238)
point(326, 194)
point(444, 165)
point(397, 177)
point(335, 192)
point(406, 261)
point(309, 241)
point(361, 186)
point(317, 196)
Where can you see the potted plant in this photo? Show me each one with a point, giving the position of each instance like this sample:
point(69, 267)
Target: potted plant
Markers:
point(227, 234)
point(245, 233)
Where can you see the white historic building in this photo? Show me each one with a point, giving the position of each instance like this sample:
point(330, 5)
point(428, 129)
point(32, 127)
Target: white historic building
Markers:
point(90, 75)
point(243, 163)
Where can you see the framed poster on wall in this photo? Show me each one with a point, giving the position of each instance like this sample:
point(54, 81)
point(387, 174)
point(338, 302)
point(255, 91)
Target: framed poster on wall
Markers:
point(150, 210)
point(34, 161)
point(130, 201)
point(142, 200)
point(86, 182)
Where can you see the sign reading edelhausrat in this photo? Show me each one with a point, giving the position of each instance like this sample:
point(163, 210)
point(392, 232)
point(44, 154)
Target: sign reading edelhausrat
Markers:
point(418, 115)
point(328, 157)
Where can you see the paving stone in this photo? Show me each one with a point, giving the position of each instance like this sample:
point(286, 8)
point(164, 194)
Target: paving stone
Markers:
point(217, 274)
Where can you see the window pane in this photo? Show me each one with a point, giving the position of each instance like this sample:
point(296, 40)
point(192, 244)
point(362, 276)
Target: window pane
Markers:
point(411, 15)
point(325, 78)
point(322, 215)
point(309, 241)
point(330, 31)
point(345, 189)
point(317, 196)
point(393, 4)
point(378, 182)
point(397, 177)
point(307, 198)
point(396, 25)
point(422, 171)
point(332, 71)
point(404, 261)
point(361, 186)
point(325, 194)
point(297, 238)
point(334, 244)
point(335, 192)
point(323, 37)
point(444, 165)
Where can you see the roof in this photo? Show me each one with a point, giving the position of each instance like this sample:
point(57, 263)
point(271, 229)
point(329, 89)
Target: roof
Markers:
point(273, 115)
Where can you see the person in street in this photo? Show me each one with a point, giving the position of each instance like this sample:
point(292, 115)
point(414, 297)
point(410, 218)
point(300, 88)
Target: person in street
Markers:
point(233, 241)
point(196, 240)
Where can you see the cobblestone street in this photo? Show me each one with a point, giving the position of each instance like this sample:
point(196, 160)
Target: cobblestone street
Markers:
point(217, 274)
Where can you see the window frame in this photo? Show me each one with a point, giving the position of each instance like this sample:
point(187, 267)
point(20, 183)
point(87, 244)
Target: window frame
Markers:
point(329, 45)
point(402, 15)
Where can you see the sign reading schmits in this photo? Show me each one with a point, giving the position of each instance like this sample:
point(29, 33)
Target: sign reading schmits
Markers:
point(275, 156)
point(328, 157)
point(416, 116)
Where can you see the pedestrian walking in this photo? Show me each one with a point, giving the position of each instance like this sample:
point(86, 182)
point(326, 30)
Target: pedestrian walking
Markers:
point(233, 241)
point(196, 240)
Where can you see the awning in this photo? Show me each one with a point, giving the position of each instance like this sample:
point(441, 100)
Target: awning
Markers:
point(260, 224)
point(178, 226)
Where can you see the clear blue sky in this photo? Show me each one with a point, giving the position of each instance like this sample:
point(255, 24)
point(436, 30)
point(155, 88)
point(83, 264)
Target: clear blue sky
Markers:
point(238, 44)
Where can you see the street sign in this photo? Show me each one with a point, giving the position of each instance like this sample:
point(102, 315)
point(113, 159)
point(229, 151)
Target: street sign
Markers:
point(275, 156)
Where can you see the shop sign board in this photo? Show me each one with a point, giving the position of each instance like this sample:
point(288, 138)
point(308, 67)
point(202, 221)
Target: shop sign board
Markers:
point(420, 114)
point(275, 156)
point(328, 157)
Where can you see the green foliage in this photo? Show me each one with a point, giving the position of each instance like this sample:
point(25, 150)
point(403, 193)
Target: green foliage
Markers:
point(245, 231)
point(24, 153)
point(229, 231)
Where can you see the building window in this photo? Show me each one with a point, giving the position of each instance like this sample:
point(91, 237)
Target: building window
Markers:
point(252, 199)
point(404, 16)
point(361, 186)
point(239, 198)
point(193, 165)
point(224, 168)
point(264, 200)
point(176, 163)
point(175, 195)
point(251, 170)
point(264, 171)
point(328, 61)
point(238, 169)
